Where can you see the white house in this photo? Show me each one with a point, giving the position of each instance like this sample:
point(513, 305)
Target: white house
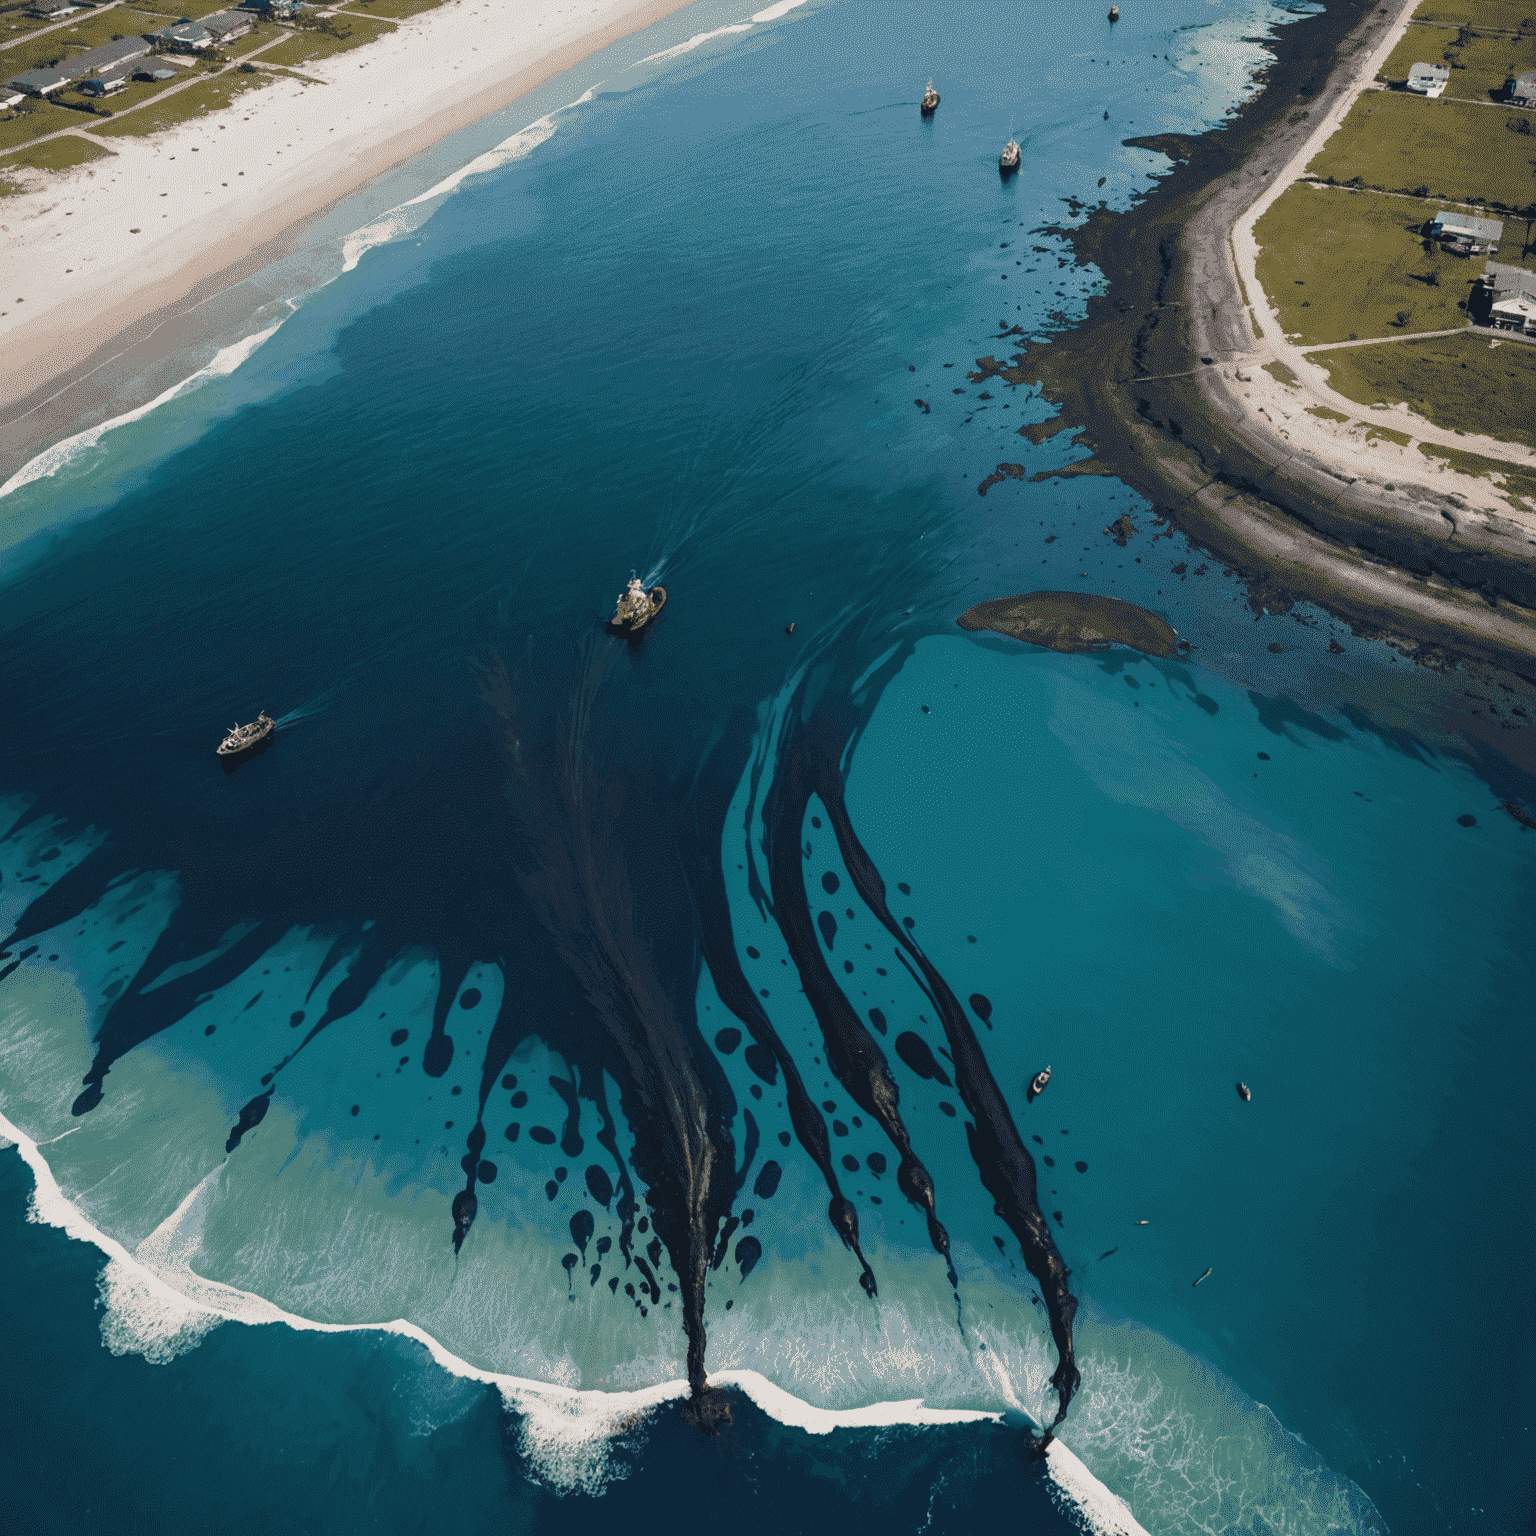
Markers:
point(1429, 79)
point(1522, 90)
point(1465, 235)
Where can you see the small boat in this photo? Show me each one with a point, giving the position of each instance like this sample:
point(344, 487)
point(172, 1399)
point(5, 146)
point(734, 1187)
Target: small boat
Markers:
point(1243, 1092)
point(1008, 161)
point(1202, 1277)
point(1037, 1084)
point(1114, 13)
point(930, 101)
point(245, 739)
point(1143, 1223)
point(637, 608)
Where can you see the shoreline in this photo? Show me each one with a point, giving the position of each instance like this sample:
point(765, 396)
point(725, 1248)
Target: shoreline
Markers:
point(1165, 376)
point(567, 1417)
point(139, 309)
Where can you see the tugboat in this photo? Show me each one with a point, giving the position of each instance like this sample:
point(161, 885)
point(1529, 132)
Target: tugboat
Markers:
point(930, 101)
point(1037, 1084)
point(637, 608)
point(1243, 1092)
point(1114, 14)
point(245, 740)
point(1008, 161)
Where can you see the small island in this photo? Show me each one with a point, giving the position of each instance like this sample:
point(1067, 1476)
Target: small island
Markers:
point(1074, 621)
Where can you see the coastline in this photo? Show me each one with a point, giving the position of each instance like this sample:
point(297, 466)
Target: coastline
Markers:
point(133, 299)
point(1166, 373)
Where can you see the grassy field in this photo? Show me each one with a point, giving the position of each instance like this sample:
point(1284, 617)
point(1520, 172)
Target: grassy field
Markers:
point(1340, 264)
point(208, 95)
point(1479, 67)
point(1326, 415)
point(1280, 372)
point(36, 119)
point(311, 44)
point(1387, 434)
point(56, 155)
point(1512, 15)
point(1447, 149)
point(1458, 382)
point(397, 9)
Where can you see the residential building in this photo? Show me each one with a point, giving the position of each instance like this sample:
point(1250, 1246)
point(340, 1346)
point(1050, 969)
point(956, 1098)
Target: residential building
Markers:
point(1429, 79)
point(1464, 235)
point(53, 10)
point(184, 34)
point(10, 98)
point(98, 61)
point(1513, 293)
point(41, 82)
point(108, 87)
point(155, 72)
point(225, 26)
point(1522, 89)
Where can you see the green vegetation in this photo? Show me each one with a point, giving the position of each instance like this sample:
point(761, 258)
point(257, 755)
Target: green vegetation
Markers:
point(1520, 485)
point(1511, 15)
point(1336, 263)
point(1437, 149)
point(1326, 414)
point(1480, 61)
point(208, 95)
point(1281, 372)
point(33, 120)
point(1388, 434)
point(335, 34)
point(1463, 383)
point(398, 9)
point(60, 154)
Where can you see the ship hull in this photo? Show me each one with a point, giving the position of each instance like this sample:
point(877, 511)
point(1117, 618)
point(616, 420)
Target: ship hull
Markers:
point(658, 596)
point(927, 110)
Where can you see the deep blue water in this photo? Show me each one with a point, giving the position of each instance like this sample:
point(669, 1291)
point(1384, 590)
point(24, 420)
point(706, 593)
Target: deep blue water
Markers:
point(685, 337)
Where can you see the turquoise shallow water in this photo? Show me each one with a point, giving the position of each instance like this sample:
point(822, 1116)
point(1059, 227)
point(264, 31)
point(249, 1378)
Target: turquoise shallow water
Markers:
point(464, 926)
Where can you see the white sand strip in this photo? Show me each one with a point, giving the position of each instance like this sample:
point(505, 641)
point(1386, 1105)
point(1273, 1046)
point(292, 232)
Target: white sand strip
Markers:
point(210, 197)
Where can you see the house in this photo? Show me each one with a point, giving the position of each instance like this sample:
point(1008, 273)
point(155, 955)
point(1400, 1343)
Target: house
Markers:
point(1463, 235)
point(108, 87)
point(1513, 295)
point(225, 26)
point(158, 73)
point(53, 10)
point(10, 98)
point(273, 10)
point(105, 59)
point(184, 34)
point(41, 82)
point(1429, 79)
point(1522, 90)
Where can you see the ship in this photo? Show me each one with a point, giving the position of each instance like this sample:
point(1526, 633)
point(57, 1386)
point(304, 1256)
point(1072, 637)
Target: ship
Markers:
point(246, 740)
point(1037, 1084)
point(637, 608)
point(1008, 161)
point(1114, 13)
point(930, 101)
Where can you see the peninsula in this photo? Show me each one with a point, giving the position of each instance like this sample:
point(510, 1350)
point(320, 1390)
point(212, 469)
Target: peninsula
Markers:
point(1390, 475)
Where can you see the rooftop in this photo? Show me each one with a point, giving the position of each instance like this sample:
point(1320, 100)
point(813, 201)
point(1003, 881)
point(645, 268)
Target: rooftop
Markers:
point(1447, 223)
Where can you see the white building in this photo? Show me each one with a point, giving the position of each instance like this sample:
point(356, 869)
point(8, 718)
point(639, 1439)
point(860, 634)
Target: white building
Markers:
point(1429, 79)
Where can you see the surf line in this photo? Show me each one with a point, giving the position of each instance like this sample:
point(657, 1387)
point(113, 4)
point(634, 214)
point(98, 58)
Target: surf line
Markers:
point(564, 1413)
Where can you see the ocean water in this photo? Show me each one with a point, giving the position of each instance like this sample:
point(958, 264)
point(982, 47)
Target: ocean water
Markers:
point(406, 1083)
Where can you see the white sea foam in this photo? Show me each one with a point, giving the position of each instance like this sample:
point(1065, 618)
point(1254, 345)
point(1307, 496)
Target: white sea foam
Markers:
point(693, 42)
point(51, 460)
point(401, 220)
point(157, 1306)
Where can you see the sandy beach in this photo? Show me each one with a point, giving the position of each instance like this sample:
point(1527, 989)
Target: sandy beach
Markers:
point(95, 260)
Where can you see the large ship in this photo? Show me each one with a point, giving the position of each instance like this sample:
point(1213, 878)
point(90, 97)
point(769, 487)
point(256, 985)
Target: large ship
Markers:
point(1008, 161)
point(930, 101)
point(243, 740)
point(637, 608)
